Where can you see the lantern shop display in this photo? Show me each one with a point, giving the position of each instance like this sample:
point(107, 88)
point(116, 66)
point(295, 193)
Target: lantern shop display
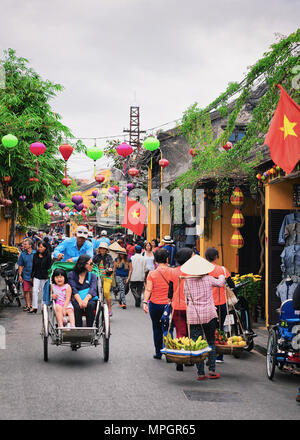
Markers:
point(237, 240)
point(237, 197)
point(237, 220)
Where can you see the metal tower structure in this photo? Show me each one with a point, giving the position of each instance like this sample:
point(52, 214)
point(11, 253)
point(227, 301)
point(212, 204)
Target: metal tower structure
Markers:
point(134, 128)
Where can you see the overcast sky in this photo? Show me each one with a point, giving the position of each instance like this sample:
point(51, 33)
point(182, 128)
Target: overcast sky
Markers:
point(166, 53)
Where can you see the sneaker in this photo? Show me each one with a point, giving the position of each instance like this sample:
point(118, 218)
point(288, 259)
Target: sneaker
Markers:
point(219, 361)
point(179, 367)
point(157, 356)
point(124, 306)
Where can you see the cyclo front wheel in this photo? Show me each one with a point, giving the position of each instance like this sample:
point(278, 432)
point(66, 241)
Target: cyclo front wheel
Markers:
point(106, 332)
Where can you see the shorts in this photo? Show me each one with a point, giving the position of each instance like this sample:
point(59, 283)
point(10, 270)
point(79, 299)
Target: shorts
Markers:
point(107, 282)
point(61, 303)
point(27, 286)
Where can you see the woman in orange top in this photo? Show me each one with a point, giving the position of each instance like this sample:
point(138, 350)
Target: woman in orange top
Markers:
point(212, 254)
point(156, 297)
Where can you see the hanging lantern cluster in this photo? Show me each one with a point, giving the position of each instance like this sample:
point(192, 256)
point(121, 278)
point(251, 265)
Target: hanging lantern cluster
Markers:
point(237, 220)
point(270, 174)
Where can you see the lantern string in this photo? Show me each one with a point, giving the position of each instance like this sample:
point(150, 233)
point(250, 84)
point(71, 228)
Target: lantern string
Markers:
point(9, 160)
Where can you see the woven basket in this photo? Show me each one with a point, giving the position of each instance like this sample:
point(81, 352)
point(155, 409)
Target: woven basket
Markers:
point(185, 359)
point(228, 349)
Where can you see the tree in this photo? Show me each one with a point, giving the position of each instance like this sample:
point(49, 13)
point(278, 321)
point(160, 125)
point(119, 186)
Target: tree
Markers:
point(25, 112)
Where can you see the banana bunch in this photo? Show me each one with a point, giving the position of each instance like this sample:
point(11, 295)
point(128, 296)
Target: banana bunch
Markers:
point(185, 343)
point(10, 249)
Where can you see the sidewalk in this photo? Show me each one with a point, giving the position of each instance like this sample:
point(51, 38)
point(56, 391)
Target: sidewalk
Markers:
point(261, 340)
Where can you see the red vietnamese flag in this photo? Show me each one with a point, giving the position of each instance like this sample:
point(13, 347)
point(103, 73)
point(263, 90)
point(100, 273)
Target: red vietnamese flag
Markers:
point(134, 216)
point(283, 137)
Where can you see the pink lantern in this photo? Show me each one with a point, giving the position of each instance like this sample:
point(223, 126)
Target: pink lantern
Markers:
point(37, 148)
point(124, 149)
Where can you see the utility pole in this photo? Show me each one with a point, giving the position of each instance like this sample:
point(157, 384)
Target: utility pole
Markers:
point(134, 129)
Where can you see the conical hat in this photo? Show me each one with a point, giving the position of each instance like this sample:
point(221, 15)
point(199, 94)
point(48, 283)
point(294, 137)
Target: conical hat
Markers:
point(197, 265)
point(117, 248)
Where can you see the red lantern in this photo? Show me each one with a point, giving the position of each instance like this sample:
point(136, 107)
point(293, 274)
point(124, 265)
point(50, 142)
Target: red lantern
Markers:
point(37, 148)
point(227, 146)
point(133, 172)
point(33, 179)
point(163, 163)
point(66, 150)
point(67, 209)
point(193, 152)
point(116, 188)
point(99, 178)
point(117, 204)
point(7, 179)
point(66, 181)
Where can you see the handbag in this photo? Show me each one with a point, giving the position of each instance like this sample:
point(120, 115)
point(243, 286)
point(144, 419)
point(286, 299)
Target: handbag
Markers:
point(171, 286)
point(230, 296)
point(83, 293)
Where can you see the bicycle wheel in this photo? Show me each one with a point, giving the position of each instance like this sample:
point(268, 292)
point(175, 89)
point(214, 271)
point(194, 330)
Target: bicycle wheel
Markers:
point(106, 332)
point(271, 354)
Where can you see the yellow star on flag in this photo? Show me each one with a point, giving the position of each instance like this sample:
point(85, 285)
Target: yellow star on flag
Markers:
point(288, 127)
point(136, 214)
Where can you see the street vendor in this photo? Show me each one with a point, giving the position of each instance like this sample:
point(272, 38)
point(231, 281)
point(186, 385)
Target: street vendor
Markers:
point(201, 310)
point(72, 248)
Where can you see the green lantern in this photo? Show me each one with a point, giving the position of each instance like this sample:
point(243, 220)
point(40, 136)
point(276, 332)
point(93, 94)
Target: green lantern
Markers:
point(9, 141)
point(151, 143)
point(94, 153)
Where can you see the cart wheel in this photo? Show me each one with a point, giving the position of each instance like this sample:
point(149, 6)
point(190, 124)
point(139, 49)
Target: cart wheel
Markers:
point(45, 348)
point(250, 346)
point(106, 332)
point(271, 354)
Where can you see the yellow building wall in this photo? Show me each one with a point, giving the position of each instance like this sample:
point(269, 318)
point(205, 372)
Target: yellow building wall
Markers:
point(277, 196)
point(221, 230)
point(5, 228)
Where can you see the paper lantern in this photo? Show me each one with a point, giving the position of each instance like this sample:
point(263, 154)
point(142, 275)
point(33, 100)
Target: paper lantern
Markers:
point(151, 143)
point(77, 200)
point(66, 181)
point(99, 178)
point(125, 192)
point(112, 190)
point(193, 152)
point(55, 198)
point(7, 202)
point(124, 149)
point(22, 198)
point(237, 220)
point(78, 207)
point(33, 179)
point(110, 196)
point(66, 150)
point(117, 189)
point(130, 186)
point(237, 240)
point(94, 201)
point(46, 206)
point(258, 176)
point(37, 148)
point(133, 172)
point(50, 204)
point(237, 197)
point(67, 209)
point(9, 141)
point(7, 179)
point(163, 163)
point(29, 206)
point(227, 146)
point(62, 205)
point(94, 153)
point(95, 193)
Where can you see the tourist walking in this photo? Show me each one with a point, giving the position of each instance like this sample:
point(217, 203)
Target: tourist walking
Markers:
point(25, 262)
point(212, 255)
point(137, 277)
point(122, 271)
point(106, 265)
point(40, 266)
point(149, 257)
point(169, 245)
point(201, 310)
point(156, 297)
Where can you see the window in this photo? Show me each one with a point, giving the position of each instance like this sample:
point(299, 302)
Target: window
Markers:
point(237, 135)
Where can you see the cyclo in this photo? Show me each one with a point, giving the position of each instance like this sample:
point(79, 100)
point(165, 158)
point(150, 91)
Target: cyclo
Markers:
point(75, 337)
point(283, 349)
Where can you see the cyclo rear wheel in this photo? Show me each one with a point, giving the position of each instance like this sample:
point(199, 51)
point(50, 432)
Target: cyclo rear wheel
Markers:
point(271, 354)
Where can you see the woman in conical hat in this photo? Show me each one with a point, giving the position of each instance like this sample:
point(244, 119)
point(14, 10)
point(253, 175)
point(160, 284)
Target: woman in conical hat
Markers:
point(201, 310)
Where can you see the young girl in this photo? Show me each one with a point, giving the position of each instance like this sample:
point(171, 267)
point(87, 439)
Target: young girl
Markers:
point(61, 294)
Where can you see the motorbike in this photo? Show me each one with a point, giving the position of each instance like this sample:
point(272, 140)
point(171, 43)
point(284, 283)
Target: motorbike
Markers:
point(11, 292)
point(241, 322)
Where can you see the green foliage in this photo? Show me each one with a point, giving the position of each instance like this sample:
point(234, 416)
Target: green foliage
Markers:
point(25, 112)
point(275, 67)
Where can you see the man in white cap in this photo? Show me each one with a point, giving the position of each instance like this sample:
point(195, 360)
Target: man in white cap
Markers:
point(71, 249)
point(103, 239)
point(168, 244)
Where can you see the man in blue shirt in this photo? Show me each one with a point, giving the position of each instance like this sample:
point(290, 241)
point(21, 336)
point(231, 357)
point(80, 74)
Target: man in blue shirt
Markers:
point(71, 249)
point(25, 268)
point(169, 245)
point(103, 239)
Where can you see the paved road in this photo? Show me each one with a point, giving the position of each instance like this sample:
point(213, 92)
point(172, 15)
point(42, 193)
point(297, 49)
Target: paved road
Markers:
point(132, 385)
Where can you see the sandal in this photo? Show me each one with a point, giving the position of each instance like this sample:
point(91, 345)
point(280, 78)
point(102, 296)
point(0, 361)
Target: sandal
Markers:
point(202, 377)
point(213, 375)
point(26, 308)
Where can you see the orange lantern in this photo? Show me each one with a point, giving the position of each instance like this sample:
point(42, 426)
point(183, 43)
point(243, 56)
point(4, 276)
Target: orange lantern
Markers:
point(237, 197)
point(237, 220)
point(237, 240)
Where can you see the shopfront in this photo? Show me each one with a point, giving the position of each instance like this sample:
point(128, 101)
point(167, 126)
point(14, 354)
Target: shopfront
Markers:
point(282, 251)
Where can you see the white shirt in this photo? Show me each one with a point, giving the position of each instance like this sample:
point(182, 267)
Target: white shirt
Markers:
point(139, 267)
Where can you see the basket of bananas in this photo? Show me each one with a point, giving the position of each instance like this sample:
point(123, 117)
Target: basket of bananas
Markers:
point(226, 345)
point(9, 254)
point(185, 350)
